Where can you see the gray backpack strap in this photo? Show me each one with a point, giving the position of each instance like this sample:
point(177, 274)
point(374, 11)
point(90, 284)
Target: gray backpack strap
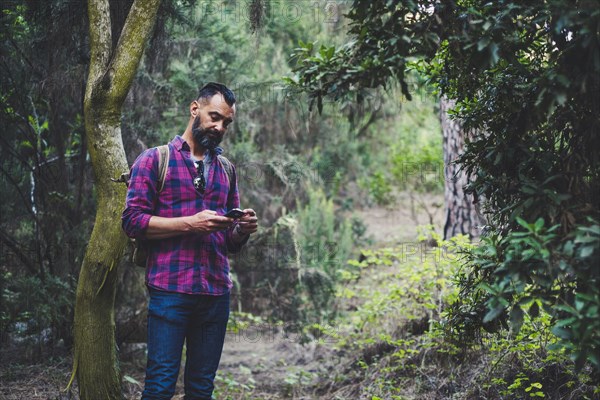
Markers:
point(227, 166)
point(163, 165)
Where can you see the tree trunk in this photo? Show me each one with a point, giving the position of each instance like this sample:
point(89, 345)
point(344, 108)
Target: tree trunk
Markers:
point(110, 76)
point(462, 215)
point(96, 361)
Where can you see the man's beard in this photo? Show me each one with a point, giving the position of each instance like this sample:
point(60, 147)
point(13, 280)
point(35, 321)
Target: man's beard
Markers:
point(207, 138)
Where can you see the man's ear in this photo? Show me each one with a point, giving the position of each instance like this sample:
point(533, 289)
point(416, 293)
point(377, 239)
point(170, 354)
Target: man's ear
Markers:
point(194, 108)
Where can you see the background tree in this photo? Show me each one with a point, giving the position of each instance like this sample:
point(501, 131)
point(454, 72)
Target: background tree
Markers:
point(45, 178)
point(113, 66)
point(461, 208)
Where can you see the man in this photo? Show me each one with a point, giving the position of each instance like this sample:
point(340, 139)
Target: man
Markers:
point(187, 271)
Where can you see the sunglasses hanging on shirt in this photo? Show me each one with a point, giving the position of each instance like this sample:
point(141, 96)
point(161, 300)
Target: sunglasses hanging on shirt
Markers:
point(199, 181)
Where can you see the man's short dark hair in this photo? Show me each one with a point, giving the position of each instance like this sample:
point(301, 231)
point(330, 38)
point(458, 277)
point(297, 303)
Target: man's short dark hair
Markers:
point(211, 88)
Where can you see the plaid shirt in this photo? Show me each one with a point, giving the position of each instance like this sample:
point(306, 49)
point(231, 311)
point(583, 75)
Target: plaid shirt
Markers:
point(190, 263)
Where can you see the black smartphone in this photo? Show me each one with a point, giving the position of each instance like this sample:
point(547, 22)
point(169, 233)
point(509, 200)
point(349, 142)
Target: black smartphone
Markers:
point(235, 213)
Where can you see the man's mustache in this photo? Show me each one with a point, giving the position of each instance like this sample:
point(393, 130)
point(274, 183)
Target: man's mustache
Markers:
point(198, 130)
point(214, 133)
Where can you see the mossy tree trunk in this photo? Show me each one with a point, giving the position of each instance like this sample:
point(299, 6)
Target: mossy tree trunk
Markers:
point(112, 70)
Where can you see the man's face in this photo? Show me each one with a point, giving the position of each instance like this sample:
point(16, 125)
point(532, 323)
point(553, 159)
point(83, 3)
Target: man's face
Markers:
point(211, 121)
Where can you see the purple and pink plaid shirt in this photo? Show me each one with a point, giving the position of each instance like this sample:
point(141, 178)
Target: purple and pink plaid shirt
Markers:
point(191, 263)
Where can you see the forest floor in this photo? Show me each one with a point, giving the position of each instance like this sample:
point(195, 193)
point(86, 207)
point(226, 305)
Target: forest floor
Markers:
point(259, 361)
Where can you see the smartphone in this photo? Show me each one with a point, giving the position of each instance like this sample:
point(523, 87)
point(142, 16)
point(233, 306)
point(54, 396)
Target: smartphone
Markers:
point(235, 213)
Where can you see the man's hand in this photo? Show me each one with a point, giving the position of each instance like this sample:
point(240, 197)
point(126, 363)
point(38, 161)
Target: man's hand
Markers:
point(208, 221)
point(205, 222)
point(248, 223)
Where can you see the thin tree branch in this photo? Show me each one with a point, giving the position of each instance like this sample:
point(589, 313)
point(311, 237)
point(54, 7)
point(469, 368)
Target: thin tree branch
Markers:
point(21, 195)
point(372, 118)
point(16, 155)
point(127, 56)
point(14, 246)
point(100, 41)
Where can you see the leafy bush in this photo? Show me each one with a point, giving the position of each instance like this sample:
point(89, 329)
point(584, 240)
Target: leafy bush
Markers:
point(419, 167)
point(379, 188)
point(34, 310)
point(325, 244)
point(532, 269)
point(402, 331)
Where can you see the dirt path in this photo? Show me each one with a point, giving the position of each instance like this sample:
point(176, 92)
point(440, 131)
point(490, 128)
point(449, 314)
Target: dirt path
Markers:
point(272, 364)
point(398, 223)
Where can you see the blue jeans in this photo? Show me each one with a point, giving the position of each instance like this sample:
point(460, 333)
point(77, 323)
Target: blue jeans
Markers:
point(199, 320)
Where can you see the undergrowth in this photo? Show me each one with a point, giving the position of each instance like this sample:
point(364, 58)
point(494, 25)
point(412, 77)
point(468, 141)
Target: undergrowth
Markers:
point(392, 338)
point(394, 331)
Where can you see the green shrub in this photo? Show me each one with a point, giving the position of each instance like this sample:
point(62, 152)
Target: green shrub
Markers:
point(402, 331)
point(530, 270)
point(29, 306)
point(379, 188)
point(325, 242)
point(419, 167)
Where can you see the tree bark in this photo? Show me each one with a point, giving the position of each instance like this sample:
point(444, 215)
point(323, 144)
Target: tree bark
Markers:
point(461, 209)
point(110, 76)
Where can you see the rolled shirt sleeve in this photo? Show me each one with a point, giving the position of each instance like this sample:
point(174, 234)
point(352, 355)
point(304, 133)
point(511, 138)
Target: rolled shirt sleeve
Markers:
point(141, 194)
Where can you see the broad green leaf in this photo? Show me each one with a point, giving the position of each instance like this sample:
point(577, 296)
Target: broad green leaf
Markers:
point(516, 318)
point(562, 333)
point(564, 322)
point(539, 224)
point(586, 251)
point(493, 314)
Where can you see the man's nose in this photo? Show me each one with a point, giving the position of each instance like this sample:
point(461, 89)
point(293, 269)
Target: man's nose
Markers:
point(220, 127)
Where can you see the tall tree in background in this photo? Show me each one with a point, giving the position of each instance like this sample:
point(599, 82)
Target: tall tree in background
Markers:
point(461, 208)
point(113, 66)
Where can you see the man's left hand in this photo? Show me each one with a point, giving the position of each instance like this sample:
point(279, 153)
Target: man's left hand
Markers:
point(248, 224)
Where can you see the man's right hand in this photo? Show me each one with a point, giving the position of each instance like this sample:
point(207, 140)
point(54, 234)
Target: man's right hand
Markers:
point(208, 221)
point(204, 222)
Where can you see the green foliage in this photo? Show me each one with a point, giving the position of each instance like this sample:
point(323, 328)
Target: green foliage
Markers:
point(228, 388)
point(525, 77)
point(47, 205)
point(398, 334)
point(25, 312)
point(419, 167)
point(379, 188)
point(325, 242)
point(295, 380)
point(538, 164)
point(414, 283)
point(527, 270)
point(533, 349)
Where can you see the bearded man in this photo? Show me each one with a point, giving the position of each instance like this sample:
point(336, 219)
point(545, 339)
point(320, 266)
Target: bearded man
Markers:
point(188, 238)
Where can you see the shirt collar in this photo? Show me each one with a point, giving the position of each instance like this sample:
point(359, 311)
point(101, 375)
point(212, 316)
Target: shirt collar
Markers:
point(181, 144)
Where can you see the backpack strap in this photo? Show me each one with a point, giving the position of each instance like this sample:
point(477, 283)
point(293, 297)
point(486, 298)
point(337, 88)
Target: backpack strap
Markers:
point(163, 165)
point(227, 166)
